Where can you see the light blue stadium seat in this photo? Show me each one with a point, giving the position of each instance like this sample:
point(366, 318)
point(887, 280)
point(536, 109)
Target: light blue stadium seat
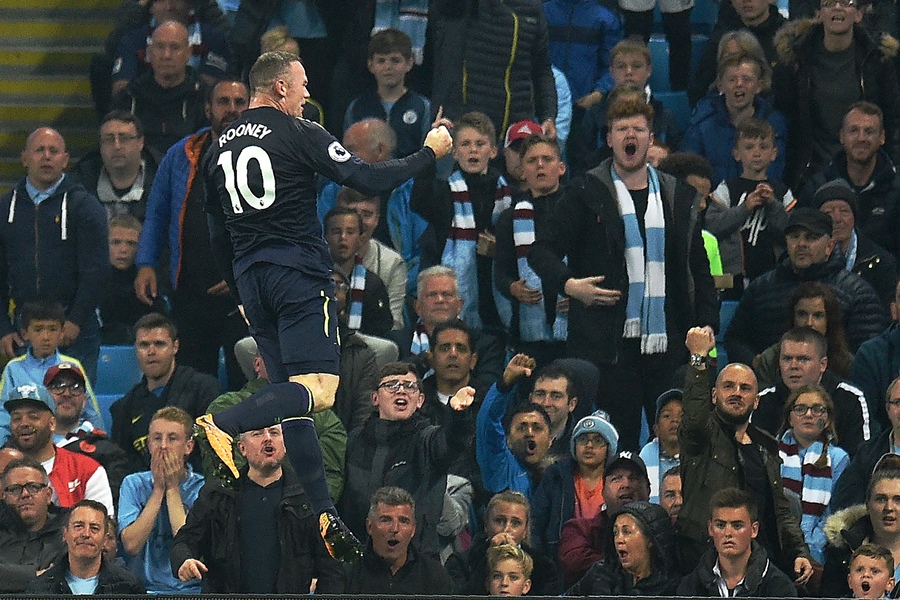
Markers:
point(659, 53)
point(676, 103)
point(726, 313)
point(117, 370)
point(105, 401)
point(704, 16)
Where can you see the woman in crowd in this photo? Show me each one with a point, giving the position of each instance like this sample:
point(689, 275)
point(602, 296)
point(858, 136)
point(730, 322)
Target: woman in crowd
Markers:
point(639, 563)
point(810, 462)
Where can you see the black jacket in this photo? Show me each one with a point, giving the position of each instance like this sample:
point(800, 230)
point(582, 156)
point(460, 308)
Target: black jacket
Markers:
point(588, 229)
point(492, 56)
point(211, 535)
point(419, 576)
point(412, 454)
point(877, 266)
point(87, 172)
point(850, 489)
point(113, 580)
point(608, 578)
point(762, 580)
point(469, 571)
point(761, 316)
point(53, 251)
point(188, 389)
point(22, 552)
point(845, 530)
point(796, 43)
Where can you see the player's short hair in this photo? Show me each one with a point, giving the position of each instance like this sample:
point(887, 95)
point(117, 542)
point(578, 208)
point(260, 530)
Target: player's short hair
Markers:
point(274, 38)
point(342, 210)
point(388, 41)
point(157, 320)
point(754, 129)
point(627, 46)
point(497, 554)
point(684, 164)
point(268, 68)
point(867, 108)
point(390, 496)
point(435, 271)
point(875, 552)
point(732, 497)
point(763, 70)
point(399, 367)
point(627, 107)
point(807, 335)
point(41, 310)
point(92, 504)
point(540, 138)
point(24, 463)
point(125, 117)
point(125, 221)
point(173, 414)
point(478, 121)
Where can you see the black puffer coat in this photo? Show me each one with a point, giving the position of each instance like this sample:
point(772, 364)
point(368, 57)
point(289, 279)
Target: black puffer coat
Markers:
point(608, 578)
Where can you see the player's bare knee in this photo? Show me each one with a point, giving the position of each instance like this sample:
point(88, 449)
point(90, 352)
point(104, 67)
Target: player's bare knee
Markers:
point(322, 386)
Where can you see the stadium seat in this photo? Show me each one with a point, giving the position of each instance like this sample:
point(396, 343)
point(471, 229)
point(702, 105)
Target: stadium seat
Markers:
point(726, 313)
point(659, 52)
point(105, 401)
point(385, 350)
point(676, 103)
point(704, 16)
point(117, 370)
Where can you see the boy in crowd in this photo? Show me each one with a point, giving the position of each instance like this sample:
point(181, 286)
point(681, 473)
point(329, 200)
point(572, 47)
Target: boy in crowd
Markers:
point(463, 212)
point(408, 113)
point(631, 65)
point(42, 328)
point(536, 318)
point(871, 572)
point(747, 213)
point(661, 453)
point(509, 570)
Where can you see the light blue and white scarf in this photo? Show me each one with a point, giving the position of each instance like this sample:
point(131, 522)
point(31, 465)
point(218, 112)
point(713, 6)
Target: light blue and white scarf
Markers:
point(409, 16)
point(533, 325)
point(460, 248)
point(645, 315)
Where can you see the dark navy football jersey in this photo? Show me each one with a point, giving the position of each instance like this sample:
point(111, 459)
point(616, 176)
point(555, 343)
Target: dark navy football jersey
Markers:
point(262, 177)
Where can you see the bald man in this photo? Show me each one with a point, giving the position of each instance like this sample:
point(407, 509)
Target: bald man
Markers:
point(53, 240)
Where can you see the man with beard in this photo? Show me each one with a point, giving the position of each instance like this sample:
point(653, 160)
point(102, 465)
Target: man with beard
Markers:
point(204, 311)
point(863, 162)
point(74, 476)
point(720, 448)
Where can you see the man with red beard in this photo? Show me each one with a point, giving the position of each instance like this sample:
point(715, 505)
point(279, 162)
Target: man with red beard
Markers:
point(204, 311)
point(720, 448)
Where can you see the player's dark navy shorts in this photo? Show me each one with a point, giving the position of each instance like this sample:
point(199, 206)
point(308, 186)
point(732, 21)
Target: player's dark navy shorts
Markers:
point(293, 318)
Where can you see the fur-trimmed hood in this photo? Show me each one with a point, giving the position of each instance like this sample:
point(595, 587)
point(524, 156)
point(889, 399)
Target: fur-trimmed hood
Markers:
point(844, 521)
point(793, 35)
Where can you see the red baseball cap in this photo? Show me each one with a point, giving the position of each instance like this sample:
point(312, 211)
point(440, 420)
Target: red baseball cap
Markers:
point(63, 367)
point(520, 131)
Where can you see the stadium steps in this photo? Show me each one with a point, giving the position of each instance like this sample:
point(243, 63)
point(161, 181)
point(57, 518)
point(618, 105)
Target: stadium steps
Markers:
point(45, 51)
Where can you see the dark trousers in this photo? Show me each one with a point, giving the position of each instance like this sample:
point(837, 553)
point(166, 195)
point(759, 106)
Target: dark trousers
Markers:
point(678, 31)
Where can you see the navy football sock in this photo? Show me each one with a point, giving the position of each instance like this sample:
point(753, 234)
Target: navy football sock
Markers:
point(272, 404)
point(305, 453)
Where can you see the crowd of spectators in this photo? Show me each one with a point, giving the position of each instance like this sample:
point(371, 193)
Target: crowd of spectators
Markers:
point(532, 399)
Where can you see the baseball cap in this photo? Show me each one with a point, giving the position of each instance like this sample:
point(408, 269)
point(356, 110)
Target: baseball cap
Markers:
point(887, 461)
point(63, 367)
point(597, 422)
point(520, 131)
point(29, 394)
point(666, 397)
point(814, 221)
point(626, 459)
point(838, 189)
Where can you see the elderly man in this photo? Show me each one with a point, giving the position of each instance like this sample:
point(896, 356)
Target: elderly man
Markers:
point(30, 530)
point(391, 564)
point(82, 570)
point(121, 171)
point(259, 538)
point(53, 244)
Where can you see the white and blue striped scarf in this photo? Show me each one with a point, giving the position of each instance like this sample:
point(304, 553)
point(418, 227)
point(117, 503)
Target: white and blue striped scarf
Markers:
point(645, 315)
point(812, 483)
point(356, 295)
point(409, 16)
point(460, 248)
point(533, 325)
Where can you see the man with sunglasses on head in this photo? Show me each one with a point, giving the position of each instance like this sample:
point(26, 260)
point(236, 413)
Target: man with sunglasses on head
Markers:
point(824, 66)
point(30, 526)
point(398, 446)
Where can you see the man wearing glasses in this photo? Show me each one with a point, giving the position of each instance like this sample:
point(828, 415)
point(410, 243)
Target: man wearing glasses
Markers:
point(823, 68)
point(68, 388)
point(398, 446)
point(803, 361)
point(31, 536)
